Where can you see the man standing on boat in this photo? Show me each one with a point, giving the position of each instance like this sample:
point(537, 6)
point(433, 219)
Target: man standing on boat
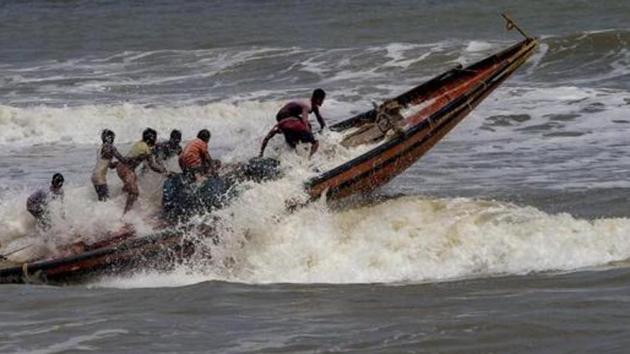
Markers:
point(38, 203)
point(293, 122)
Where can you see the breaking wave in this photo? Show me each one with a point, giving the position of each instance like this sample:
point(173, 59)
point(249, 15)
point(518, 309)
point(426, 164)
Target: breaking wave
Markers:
point(232, 124)
point(595, 58)
point(404, 240)
point(82, 125)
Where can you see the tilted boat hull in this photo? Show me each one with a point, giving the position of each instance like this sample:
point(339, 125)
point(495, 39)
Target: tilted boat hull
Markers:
point(461, 91)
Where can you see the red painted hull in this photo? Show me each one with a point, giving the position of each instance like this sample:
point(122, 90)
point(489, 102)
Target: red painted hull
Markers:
point(450, 96)
point(161, 251)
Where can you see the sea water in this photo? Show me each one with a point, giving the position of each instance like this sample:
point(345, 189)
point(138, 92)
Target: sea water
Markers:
point(511, 235)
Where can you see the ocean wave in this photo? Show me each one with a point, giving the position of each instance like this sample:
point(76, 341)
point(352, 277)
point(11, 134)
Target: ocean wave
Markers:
point(82, 124)
point(194, 76)
point(585, 58)
point(407, 240)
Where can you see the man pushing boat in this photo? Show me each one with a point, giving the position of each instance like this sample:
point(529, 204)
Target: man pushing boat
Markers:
point(165, 150)
point(38, 203)
point(140, 152)
point(293, 122)
point(106, 153)
point(195, 160)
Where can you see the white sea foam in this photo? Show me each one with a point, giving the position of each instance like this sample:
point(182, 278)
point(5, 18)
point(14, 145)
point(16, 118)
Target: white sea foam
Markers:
point(78, 218)
point(81, 218)
point(477, 50)
point(82, 124)
point(410, 239)
point(415, 239)
point(479, 46)
point(232, 124)
point(403, 55)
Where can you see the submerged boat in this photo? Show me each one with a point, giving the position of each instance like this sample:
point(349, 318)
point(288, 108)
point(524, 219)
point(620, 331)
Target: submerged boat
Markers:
point(122, 250)
point(401, 129)
point(161, 250)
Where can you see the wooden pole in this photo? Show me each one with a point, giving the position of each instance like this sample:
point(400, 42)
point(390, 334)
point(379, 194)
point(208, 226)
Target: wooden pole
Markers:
point(511, 24)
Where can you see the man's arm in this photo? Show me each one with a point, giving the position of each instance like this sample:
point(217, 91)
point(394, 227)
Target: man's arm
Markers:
point(206, 160)
point(117, 155)
point(154, 165)
point(275, 130)
point(319, 117)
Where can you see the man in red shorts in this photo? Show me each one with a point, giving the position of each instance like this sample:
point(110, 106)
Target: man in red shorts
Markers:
point(294, 125)
point(294, 131)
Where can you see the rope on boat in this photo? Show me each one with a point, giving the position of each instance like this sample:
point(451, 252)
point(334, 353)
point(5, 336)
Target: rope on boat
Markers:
point(6, 255)
point(25, 270)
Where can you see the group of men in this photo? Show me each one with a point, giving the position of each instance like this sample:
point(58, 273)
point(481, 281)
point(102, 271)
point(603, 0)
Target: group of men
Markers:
point(194, 159)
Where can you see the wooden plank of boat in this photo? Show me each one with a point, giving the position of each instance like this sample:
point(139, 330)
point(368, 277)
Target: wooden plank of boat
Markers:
point(162, 249)
point(387, 122)
point(451, 97)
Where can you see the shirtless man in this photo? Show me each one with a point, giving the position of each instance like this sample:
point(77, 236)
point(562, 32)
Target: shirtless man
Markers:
point(38, 202)
point(140, 152)
point(164, 150)
point(294, 132)
point(104, 157)
point(293, 122)
point(301, 109)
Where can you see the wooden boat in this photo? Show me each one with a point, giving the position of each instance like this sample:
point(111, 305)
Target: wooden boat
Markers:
point(437, 106)
point(121, 251)
point(441, 103)
point(161, 250)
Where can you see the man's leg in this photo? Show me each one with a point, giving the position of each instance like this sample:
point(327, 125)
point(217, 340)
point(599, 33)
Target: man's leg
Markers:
point(130, 185)
point(42, 220)
point(131, 199)
point(132, 190)
point(102, 192)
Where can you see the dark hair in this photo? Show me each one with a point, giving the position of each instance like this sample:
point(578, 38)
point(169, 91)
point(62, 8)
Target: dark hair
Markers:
point(149, 136)
point(107, 136)
point(57, 180)
point(176, 135)
point(319, 94)
point(204, 134)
